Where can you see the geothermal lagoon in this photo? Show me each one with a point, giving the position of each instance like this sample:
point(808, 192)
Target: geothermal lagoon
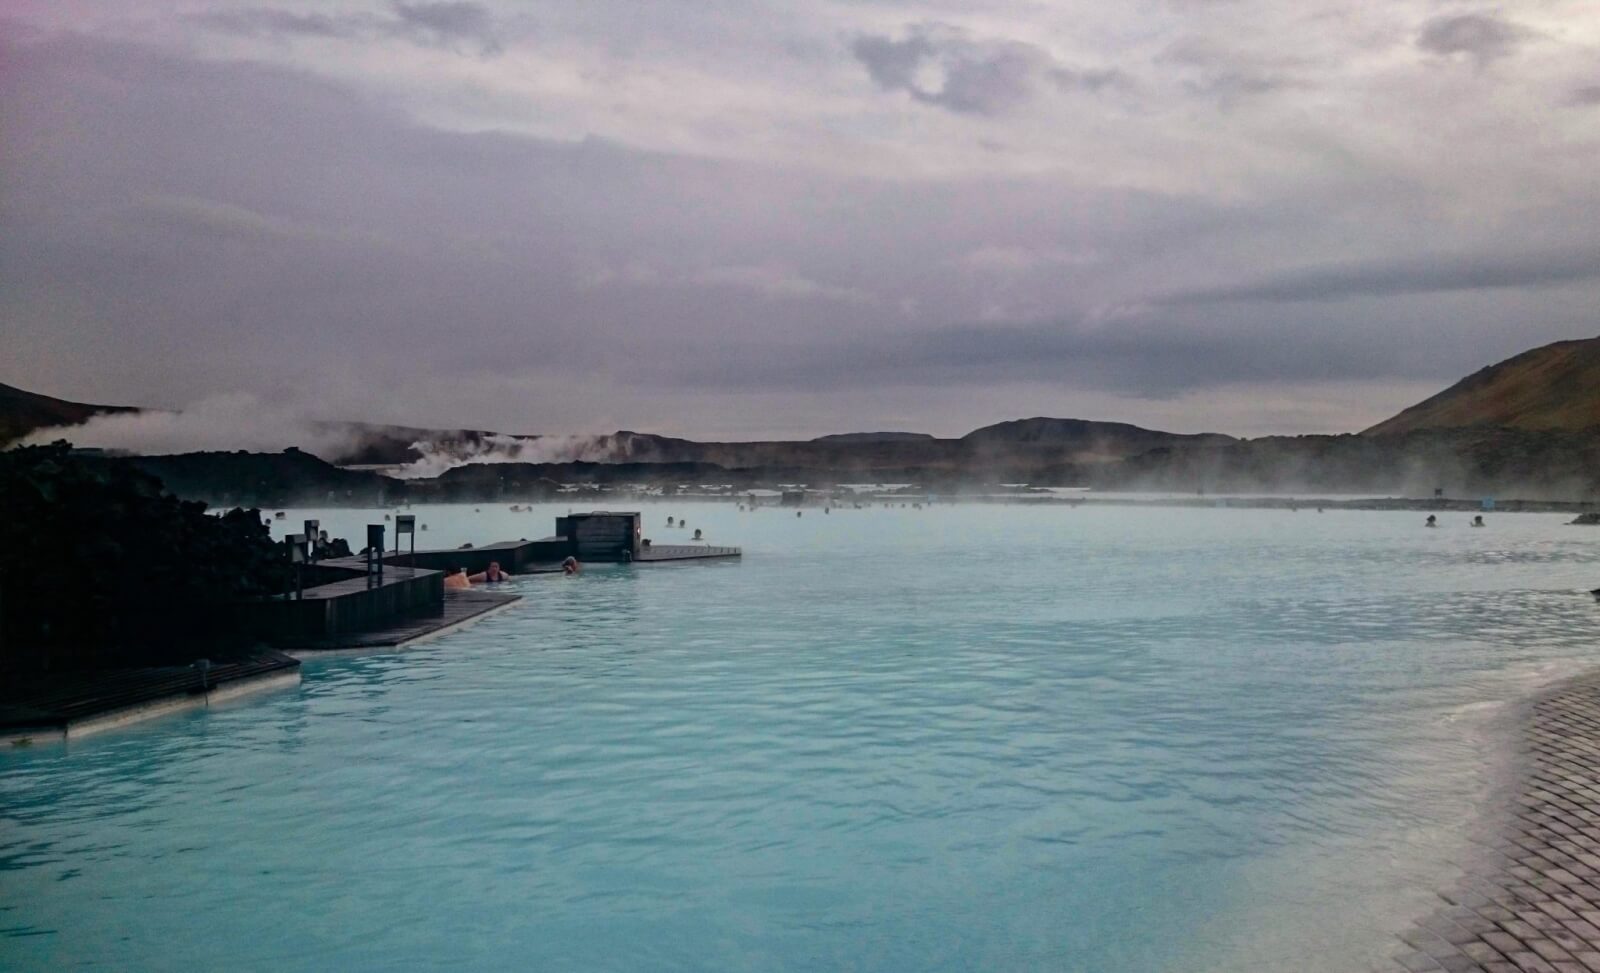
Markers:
point(966, 737)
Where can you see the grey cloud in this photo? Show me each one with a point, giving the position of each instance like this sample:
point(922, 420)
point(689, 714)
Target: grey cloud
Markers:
point(1432, 274)
point(1587, 95)
point(265, 21)
point(1154, 357)
point(978, 77)
point(1230, 86)
point(1481, 37)
point(1226, 75)
point(450, 25)
point(1093, 80)
point(187, 214)
point(195, 226)
point(447, 22)
point(893, 64)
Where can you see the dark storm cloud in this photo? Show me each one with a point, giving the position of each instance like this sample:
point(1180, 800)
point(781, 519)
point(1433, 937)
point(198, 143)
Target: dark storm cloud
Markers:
point(975, 77)
point(452, 25)
point(1403, 276)
point(1481, 37)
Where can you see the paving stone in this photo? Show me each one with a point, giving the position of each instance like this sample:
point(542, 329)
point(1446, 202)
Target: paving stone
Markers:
point(1481, 952)
point(1418, 962)
point(1531, 963)
point(1533, 901)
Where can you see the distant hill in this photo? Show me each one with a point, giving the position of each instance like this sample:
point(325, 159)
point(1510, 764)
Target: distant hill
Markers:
point(1085, 438)
point(22, 412)
point(874, 437)
point(1553, 387)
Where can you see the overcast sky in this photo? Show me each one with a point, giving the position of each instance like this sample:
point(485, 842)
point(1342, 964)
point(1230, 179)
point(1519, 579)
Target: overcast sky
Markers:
point(746, 219)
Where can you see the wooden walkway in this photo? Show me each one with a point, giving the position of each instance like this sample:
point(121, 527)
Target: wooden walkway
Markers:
point(460, 608)
point(1534, 904)
point(71, 704)
point(684, 552)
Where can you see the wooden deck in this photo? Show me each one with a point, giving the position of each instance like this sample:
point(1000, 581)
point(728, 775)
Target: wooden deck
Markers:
point(460, 608)
point(72, 704)
point(516, 557)
point(345, 603)
point(684, 552)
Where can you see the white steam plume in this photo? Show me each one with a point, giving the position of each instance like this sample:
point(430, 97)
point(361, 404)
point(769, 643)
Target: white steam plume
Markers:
point(224, 422)
point(438, 456)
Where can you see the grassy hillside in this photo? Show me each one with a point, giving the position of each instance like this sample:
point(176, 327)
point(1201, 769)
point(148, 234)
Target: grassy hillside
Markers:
point(1554, 387)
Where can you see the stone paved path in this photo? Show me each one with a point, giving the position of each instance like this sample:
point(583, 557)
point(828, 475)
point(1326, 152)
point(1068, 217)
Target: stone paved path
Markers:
point(1535, 905)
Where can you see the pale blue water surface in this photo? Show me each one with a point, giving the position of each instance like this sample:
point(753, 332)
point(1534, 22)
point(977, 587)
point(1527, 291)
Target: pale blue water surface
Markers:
point(963, 738)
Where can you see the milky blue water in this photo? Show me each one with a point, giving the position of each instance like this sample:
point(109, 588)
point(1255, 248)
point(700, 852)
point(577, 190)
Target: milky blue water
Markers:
point(964, 738)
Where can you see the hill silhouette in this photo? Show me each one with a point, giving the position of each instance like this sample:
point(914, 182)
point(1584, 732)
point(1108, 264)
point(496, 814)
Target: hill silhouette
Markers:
point(1553, 387)
point(21, 412)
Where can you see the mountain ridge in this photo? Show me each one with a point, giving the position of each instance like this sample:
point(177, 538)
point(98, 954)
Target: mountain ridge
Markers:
point(22, 412)
point(1554, 386)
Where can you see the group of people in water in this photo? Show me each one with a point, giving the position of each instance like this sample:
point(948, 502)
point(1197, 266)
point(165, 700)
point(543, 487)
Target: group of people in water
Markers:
point(1433, 521)
point(674, 522)
point(456, 577)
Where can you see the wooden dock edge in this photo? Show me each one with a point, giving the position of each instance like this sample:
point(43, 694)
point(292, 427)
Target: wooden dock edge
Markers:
point(139, 712)
point(428, 636)
point(460, 624)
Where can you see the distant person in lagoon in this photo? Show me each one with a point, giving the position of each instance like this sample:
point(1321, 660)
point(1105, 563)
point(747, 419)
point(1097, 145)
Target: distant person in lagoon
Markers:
point(571, 566)
point(670, 521)
point(1432, 521)
point(491, 575)
point(455, 579)
point(1478, 521)
point(697, 535)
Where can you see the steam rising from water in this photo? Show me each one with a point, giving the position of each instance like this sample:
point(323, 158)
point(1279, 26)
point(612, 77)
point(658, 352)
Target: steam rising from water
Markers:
point(242, 422)
point(224, 422)
point(441, 455)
